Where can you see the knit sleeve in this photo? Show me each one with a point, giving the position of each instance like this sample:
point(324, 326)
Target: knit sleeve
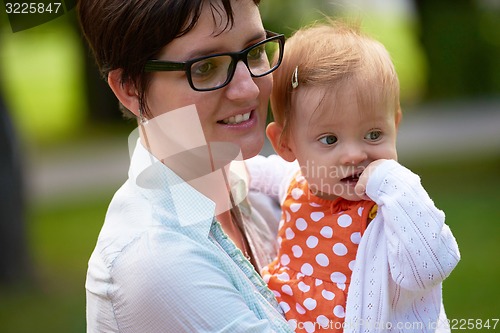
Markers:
point(421, 249)
point(271, 175)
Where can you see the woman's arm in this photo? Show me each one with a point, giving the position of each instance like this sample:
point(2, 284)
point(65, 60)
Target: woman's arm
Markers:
point(421, 248)
point(186, 290)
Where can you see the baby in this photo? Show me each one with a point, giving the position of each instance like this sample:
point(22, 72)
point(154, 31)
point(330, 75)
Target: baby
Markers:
point(362, 246)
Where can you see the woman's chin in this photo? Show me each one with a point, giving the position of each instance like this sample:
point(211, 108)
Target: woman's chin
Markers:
point(251, 149)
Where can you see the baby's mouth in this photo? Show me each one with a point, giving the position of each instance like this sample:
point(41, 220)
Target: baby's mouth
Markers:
point(351, 179)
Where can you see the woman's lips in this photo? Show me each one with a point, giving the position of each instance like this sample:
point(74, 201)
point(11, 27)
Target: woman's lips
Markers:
point(241, 121)
point(239, 118)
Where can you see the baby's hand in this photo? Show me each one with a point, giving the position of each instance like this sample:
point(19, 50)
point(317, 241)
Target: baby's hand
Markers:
point(360, 188)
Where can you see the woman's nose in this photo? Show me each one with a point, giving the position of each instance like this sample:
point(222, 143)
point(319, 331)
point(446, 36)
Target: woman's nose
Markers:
point(242, 86)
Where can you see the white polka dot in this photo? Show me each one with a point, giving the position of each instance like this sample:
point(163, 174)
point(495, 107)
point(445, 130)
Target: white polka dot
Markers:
point(340, 249)
point(351, 265)
point(303, 287)
point(300, 309)
point(309, 327)
point(322, 260)
point(344, 220)
point(287, 216)
point(297, 251)
point(339, 311)
point(283, 276)
point(360, 211)
point(316, 216)
point(310, 303)
point(295, 207)
point(301, 224)
point(285, 307)
point(312, 242)
point(314, 204)
point(287, 289)
point(276, 293)
point(318, 282)
point(341, 286)
point(356, 237)
point(307, 269)
point(289, 234)
point(323, 321)
point(285, 260)
point(326, 232)
point(338, 277)
point(328, 295)
point(297, 193)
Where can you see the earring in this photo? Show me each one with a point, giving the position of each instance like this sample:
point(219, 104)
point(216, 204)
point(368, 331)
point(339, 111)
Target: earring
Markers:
point(142, 120)
point(295, 78)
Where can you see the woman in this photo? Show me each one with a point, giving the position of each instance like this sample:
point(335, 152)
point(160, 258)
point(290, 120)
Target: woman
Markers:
point(170, 256)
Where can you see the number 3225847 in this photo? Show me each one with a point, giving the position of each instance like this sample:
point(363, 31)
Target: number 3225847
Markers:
point(32, 7)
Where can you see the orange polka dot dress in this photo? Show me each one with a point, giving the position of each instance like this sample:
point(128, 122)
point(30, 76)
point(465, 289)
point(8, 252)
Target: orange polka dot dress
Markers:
point(318, 243)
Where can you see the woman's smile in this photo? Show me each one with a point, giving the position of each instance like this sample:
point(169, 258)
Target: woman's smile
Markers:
point(238, 119)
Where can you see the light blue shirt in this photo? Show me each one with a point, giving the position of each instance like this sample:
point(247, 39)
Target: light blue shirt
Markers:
point(152, 271)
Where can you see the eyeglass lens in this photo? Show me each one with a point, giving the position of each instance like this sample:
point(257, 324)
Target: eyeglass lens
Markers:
point(213, 72)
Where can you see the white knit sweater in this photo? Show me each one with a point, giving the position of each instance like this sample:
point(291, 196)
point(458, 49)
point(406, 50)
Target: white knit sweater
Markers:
point(403, 257)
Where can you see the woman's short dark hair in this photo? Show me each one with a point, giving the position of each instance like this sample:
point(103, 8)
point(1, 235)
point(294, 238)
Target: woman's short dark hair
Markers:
point(127, 33)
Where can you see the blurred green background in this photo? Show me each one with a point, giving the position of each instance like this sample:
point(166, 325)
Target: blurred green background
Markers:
point(72, 144)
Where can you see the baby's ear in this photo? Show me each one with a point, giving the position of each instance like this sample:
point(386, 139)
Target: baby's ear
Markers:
point(399, 116)
point(281, 144)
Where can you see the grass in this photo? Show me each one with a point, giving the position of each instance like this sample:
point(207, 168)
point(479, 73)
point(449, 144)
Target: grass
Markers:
point(62, 237)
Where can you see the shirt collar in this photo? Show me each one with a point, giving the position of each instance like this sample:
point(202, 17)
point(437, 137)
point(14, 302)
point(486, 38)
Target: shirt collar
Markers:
point(161, 185)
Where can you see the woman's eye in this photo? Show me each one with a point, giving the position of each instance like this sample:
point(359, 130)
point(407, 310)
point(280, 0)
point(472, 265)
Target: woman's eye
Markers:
point(202, 68)
point(328, 140)
point(256, 53)
point(373, 135)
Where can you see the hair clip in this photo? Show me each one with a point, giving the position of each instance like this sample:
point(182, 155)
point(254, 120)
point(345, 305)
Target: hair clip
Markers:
point(295, 78)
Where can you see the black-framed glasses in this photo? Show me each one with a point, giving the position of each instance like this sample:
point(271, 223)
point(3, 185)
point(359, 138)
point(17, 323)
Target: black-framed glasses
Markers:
point(216, 71)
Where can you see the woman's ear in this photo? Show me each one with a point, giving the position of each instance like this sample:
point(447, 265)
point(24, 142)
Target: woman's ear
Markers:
point(280, 143)
point(125, 91)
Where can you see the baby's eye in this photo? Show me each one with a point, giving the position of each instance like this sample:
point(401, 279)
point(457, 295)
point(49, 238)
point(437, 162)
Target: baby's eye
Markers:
point(373, 135)
point(328, 139)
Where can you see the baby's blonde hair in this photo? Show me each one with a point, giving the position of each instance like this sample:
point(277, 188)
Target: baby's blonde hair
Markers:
point(334, 55)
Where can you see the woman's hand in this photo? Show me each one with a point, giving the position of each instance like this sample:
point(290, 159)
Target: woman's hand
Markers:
point(360, 188)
